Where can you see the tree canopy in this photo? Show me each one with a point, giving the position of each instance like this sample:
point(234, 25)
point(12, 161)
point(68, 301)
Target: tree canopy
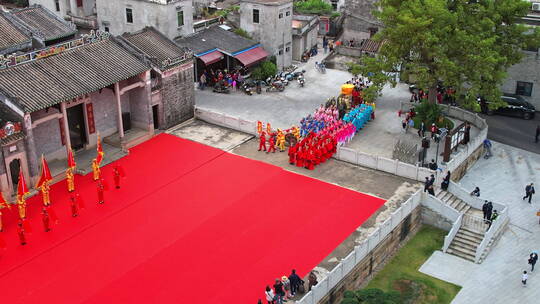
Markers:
point(317, 7)
point(466, 44)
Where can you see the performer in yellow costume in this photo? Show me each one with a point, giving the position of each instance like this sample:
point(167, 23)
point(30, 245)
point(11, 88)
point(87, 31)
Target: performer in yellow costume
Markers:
point(45, 190)
point(70, 180)
point(280, 140)
point(21, 204)
point(95, 169)
point(296, 132)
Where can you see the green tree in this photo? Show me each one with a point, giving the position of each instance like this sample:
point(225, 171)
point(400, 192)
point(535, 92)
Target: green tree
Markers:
point(264, 70)
point(317, 7)
point(354, 68)
point(462, 43)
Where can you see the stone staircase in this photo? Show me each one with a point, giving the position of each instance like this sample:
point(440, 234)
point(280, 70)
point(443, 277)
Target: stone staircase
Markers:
point(465, 243)
point(452, 201)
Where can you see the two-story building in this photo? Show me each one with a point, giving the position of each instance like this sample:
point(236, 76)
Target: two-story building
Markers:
point(270, 22)
point(80, 12)
point(173, 18)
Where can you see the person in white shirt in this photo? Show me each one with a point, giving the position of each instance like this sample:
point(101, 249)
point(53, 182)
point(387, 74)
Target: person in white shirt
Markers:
point(524, 278)
point(270, 296)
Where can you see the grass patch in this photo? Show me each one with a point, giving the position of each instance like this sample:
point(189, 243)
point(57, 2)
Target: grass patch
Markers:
point(402, 275)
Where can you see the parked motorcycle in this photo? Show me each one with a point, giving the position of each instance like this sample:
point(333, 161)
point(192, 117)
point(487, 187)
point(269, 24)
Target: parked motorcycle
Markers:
point(247, 89)
point(276, 86)
point(301, 80)
point(221, 89)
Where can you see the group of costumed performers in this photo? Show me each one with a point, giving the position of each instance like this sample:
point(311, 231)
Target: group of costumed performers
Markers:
point(359, 115)
point(76, 203)
point(312, 150)
point(275, 139)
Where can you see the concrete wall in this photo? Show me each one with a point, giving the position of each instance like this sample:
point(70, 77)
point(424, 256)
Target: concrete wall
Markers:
point(177, 95)
point(431, 217)
point(112, 14)
point(50, 5)
point(528, 70)
point(274, 33)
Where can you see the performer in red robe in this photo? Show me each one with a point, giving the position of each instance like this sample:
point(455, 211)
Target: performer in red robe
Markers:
point(20, 232)
point(118, 173)
point(262, 141)
point(292, 154)
point(300, 156)
point(311, 159)
point(74, 206)
point(100, 188)
point(46, 219)
point(271, 143)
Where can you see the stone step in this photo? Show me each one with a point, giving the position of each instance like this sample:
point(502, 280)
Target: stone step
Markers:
point(472, 237)
point(467, 208)
point(454, 202)
point(461, 254)
point(462, 242)
point(461, 206)
point(438, 191)
point(472, 232)
point(446, 197)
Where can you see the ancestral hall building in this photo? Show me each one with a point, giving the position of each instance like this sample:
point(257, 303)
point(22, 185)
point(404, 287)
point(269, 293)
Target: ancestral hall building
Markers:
point(61, 97)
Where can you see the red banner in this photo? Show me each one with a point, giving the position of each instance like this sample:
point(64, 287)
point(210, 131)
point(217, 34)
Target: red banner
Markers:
point(90, 118)
point(62, 133)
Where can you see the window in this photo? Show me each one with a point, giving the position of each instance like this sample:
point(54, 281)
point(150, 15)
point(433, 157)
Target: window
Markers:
point(107, 29)
point(288, 13)
point(180, 17)
point(129, 15)
point(287, 49)
point(280, 52)
point(57, 5)
point(255, 16)
point(79, 3)
point(524, 88)
point(280, 15)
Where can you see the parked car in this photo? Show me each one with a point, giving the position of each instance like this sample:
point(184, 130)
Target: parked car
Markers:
point(516, 106)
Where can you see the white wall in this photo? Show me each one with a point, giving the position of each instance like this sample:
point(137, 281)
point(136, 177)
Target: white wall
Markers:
point(112, 14)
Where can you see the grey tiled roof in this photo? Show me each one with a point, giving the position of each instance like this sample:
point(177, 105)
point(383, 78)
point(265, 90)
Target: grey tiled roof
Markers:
point(45, 82)
point(215, 37)
point(155, 45)
point(44, 22)
point(10, 34)
point(12, 138)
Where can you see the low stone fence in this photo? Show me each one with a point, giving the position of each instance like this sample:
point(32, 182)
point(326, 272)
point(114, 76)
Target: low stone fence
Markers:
point(360, 252)
point(227, 121)
point(380, 163)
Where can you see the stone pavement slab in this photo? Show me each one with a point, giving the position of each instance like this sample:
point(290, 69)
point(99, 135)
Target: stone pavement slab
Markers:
point(448, 268)
point(502, 178)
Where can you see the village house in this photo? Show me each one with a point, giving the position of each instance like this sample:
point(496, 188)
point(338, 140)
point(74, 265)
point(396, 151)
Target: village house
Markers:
point(305, 34)
point(62, 97)
point(270, 22)
point(80, 12)
point(173, 18)
point(216, 48)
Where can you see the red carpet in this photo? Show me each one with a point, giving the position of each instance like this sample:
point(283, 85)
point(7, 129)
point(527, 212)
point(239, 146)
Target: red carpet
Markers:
point(191, 224)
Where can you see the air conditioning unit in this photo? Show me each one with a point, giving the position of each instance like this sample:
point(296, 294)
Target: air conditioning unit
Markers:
point(536, 7)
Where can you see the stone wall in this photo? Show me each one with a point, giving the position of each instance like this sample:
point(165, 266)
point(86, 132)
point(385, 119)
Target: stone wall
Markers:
point(432, 218)
point(178, 96)
point(47, 137)
point(366, 269)
point(105, 112)
point(460, 171)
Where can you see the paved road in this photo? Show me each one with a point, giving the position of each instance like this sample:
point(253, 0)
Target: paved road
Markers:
point(514, 131)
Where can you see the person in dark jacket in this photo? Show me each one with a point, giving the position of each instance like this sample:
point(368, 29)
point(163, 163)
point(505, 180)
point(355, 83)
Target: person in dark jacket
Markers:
point(433, 165)
point(295, 282)
point(426, 184)
point(446, 181)
point(476, 192)
point(533, 258)
point(529, 191)
point(489, 210)
point(484, 209)
point(280, 292)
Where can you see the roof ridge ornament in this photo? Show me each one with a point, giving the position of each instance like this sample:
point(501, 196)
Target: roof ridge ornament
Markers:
point(172, 61)
point(7, 61)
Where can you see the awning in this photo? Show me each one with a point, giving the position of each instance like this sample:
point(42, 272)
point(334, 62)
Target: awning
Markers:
point(211, 57)
point(252, 56)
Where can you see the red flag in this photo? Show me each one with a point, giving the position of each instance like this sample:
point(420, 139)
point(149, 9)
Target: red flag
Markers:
point(71, 159)
point(22, 189)
point(45, 173)
point(100, 153)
